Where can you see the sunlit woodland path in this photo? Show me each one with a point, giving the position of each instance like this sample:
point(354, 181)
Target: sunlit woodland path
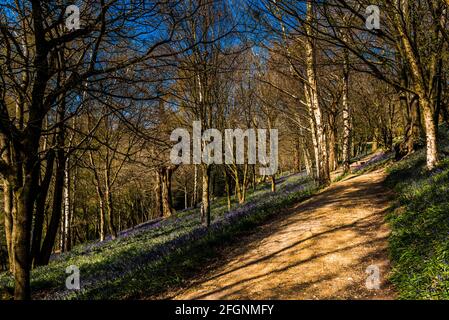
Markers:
point(319, 250)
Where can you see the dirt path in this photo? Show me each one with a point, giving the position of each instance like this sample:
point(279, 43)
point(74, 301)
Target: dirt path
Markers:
point(320, 250)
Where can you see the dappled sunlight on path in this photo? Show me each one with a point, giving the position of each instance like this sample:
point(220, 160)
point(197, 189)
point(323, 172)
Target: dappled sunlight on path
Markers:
point(320, 250)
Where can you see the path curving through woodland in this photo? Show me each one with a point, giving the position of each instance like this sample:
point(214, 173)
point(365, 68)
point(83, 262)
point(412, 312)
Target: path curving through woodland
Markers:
point(323, 248)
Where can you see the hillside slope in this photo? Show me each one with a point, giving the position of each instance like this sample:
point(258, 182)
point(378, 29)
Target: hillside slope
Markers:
point(136, 263)
point(320, 250)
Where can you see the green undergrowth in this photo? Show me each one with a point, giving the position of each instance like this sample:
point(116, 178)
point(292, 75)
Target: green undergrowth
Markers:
point(419, 243)
point(175, 269)
point(146, 263)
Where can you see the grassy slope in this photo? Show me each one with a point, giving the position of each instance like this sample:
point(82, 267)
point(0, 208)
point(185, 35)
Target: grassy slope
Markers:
point(419, 243)
point(166, 254)
point(144, 263)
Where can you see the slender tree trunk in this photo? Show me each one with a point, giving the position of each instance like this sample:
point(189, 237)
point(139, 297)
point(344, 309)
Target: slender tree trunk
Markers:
point(159, 212)
point(186, 204)
point(228, 188)
point(307, 158)
point(52, 230)
point(205, 218)
point(67, 206)
point(297, 161)
point(102, 217)
point(61, 159)
point(316, 148)
point(195, 185)
point(245, 182)
point(333, 163)
point(438, 93)
point(346, 117)
point(238, 192)
point(109, 205)
point(61, 230)
point(40, 208)
point(8, 202)
point(314, 105)
point(253, 177)
point(100, 197)
point(73, 205)
point(239, 185)
point(273, 183)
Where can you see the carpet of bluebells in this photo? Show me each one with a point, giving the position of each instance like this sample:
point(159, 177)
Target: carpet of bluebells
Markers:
point(143, 260)
point(379, 160)
point(419, 243)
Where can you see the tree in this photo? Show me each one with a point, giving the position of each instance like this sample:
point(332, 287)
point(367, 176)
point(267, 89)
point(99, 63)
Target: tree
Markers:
point(35, 43)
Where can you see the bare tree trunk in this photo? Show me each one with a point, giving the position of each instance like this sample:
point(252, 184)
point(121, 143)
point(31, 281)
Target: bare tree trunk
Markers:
point(186, 204)
point(314, 105)
point(24, 186)
point(438, 92)
point(333, 163)
point(195, 185)
point(61, 161)
point(8, 202)
point(317, 135)
point(346, 116)
point(205, 218)
point(228, 188)
point(159, 212)
point(66, 196)
point(61, 230)
point(109, 206)
point(40, 208)
point(413, 126)
point(431, 134)
point(308, 164)
point(100, 197)
point(21, 240)
point(238, 192)
point(55, 219)
point(72, 211)
point(240, 186)
point(296, 159)
point(167, 203)
point(102, 215)
point(316, 149)
point(245, 182)
point(422, 89)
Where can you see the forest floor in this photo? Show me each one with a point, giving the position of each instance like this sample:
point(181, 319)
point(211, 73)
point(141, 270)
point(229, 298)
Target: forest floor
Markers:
point(278, 245)
point(322, 248)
